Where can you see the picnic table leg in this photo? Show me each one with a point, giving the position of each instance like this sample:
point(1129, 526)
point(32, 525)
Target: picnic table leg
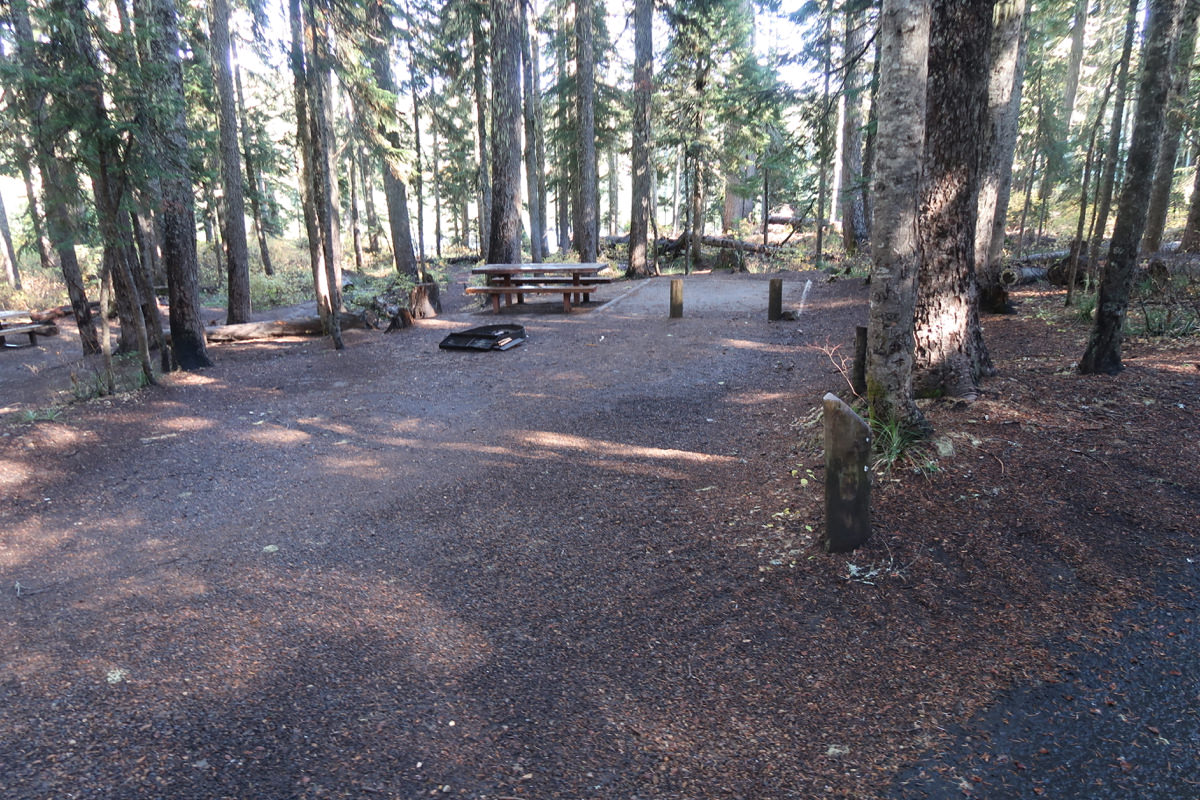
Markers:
point(496, 303)
point(566, 303)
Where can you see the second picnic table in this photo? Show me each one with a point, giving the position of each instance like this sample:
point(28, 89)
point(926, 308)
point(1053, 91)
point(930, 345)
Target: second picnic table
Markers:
point(573, 281)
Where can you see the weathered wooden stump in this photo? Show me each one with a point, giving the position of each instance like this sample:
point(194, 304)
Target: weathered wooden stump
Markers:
point(676, 298)
point(847, 477)
point(775, 300)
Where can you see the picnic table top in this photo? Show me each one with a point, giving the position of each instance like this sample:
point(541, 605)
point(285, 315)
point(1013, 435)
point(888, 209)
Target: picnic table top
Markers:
point(520, 269)
point(13, 314)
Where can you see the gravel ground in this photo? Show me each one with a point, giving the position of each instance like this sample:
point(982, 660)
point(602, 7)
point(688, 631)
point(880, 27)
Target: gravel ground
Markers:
point(585, 568)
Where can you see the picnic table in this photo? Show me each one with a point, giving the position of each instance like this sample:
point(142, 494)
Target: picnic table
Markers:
point(573, 281)
point(21, 323)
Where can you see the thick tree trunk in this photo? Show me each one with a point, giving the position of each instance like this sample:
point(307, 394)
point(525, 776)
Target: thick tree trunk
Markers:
point(536, 236)
point(355, 232)
point(177, 215)
point(1103, 354)
point(643, 92)
point(539, 133)
point(368, 194)
point(825, 143)
point(1108, 174)
point(950, 356)
point(505, 227)
point(1164, 174)
point(900, 110)
point(588, 231)
point(237, 256)
point(854, 216)
point(394, 190)
point(999, 143)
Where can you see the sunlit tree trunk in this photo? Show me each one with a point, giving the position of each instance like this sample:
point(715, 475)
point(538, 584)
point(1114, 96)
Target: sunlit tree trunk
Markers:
point(1177, 108)
point(999, 143)
point(854, 217)
point(950, 356)
point(900, 110)
point(237, 260)
point(479, 77)
point(1108, 174)
point(536, 235)
point(253, 173)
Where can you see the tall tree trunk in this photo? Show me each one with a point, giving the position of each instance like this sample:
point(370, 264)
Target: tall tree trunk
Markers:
point(395, 192)
point(418, 156)
point(614, 194)
point(1074, 61)
point(643, 93)
point(318, 90)
point(1164, 174)
point(825, 144)
point(355, 233)
point(869, 145)
point(1088, 168)
point(900, 110)
point(298, 58)
point(564, 158)
point(999, 143)
point(1108, 175)
point(253, 174)
point(237, 256)
point(588, 231)
point(22, 156)
point(479, 78)
point(437, 191)
point(950, 356)
point(539, 131)
point(505, 227)
point(58, 183)
point(1103, 353)
point(368, 194)
point(854, 217)
point(536, 235)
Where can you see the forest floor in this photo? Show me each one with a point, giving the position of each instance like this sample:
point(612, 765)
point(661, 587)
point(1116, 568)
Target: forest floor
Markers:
point(587, 568)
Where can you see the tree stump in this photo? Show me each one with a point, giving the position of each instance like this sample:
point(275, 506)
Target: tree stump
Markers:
point(775, 300)
point(847, 477)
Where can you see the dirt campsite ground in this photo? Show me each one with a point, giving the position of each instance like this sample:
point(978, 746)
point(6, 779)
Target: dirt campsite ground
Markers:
point(586, 567)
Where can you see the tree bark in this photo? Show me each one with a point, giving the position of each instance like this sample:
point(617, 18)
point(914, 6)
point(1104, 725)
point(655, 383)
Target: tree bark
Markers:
point(1103, 353)
point(479, 78)
point(643, 92)
point(58, 183)
point(1164, 174)
point(950, 356)
point(1074, 60)
point(536, 236)
point(1108, 174)
point(12, 271)
point(237, 256)
point(900, 110)
point(253, 174)
point(505, 227)
point(854, 217)
point(395, 191)
point(999, 144)
point(588, 231)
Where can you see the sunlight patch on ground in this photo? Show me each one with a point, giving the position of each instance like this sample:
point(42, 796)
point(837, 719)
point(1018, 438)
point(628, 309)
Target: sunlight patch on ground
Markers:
point(760, 398)
point(563, 441)
point(280, 437)
point(183, 423)
point(762, 347)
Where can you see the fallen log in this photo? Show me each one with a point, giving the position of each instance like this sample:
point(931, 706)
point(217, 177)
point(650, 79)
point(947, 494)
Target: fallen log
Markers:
point(676, 246)
point(1018, 275)
point(275, 328)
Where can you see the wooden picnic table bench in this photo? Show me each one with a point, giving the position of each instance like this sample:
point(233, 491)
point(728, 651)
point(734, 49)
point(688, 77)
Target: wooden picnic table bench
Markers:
point(21, 323)
point(572, 281)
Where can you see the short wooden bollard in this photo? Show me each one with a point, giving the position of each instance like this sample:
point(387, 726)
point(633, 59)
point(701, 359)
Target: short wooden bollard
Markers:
point(775, 300)
point(858, 374)
point(676, 298)
point(847, 477)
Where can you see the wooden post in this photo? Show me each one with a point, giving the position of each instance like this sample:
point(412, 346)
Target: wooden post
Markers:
point(858, 377)
point(847, 477)
point(676, 298)
point(775, 300)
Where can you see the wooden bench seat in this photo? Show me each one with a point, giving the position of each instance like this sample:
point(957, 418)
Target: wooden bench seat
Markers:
point(519, 289)
point(32, 330)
